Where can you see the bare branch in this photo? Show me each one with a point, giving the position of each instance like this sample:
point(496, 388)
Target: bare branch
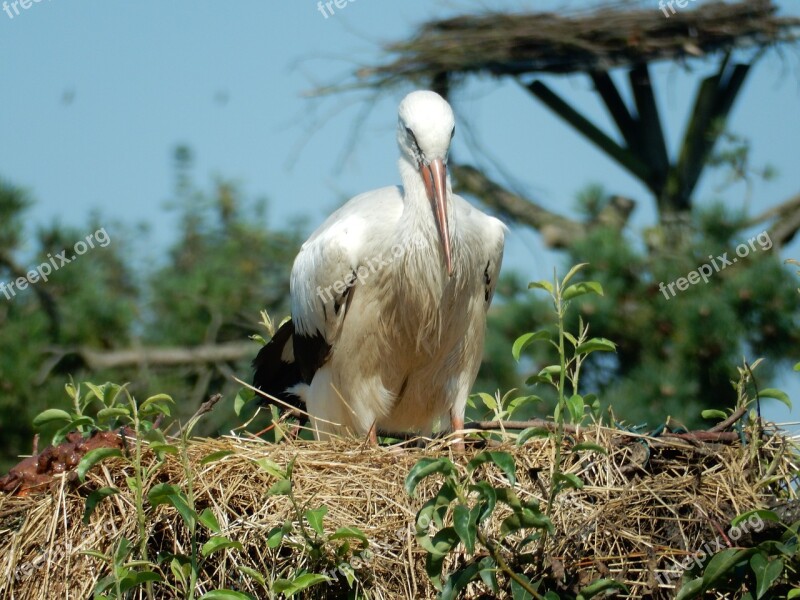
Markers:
point(557, 231)
point(786, 221)
point(166, 357)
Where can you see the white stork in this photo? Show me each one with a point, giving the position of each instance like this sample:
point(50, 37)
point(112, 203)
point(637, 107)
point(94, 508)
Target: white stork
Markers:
point(389, 298)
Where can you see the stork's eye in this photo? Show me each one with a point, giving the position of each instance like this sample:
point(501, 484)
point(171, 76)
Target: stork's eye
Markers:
point(411, 135)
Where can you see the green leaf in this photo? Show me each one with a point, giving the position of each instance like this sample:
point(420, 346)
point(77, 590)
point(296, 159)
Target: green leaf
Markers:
point(272, 468)
point(112, 413)
point(795, 593)
point(50, 416)
point(98, 391)
point(532, 432)
point(444, 541)
point(524, 519)
point(488, 575)
point(571, 273)
point(275, 537)
point(601, 585)
point(764, 515)
point(208, 519)
point(215, 456)
point(579, 289)
point(155, 435)
point(590, 447)
point(534, 379)
point(122, 550)
point(517, 591)
point(576, 407)
point(350, 533)
point(465, 527)
point(96, 554)
point(298, 584)
point(238, 404)
point(722, 563)
point(526, 340)
point(542, 285)
point(280, 488)
point(181, 566)
point(502, 459)
point(459, 580)
point(488, 400)
point(766, 572)
point(487, 497)
point(160, 448)
point(137, 578)
point(163, 493)
point(568, 480)
point(315, 517)
point(777, 395)
point(93, 457)
point(158, 398)
point(509, 497)
point(75, 425)
point(596, 345)
point(440, 545)
point(713, 414)
point(95, 498)
point(796, 368)
point(424, 468)
point(253, 574)
point(225, 595)
point(217, 543)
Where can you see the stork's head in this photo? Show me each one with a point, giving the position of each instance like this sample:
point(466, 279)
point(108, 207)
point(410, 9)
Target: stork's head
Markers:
point(424, 130)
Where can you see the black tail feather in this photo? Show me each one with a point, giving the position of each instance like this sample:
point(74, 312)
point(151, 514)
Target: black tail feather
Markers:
point(273, 375)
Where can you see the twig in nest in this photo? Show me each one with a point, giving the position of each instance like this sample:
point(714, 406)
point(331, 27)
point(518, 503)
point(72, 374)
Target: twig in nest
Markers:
point(205, 408)
point(723, 425)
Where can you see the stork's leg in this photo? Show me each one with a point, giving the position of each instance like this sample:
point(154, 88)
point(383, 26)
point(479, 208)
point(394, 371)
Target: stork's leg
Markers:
point(372, 434)
point(457, 425)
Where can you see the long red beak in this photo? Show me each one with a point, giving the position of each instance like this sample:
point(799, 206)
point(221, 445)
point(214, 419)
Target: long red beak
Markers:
point(435, 177)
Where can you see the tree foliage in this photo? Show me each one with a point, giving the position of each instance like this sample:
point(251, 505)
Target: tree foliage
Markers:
point(224, 267)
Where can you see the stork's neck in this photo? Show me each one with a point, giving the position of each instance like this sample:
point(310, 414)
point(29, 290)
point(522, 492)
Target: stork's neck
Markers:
point(417, 223)
point(421, 274)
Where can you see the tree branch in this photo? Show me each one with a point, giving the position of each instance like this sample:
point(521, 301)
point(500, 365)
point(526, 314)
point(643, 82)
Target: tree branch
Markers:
point(557, 231)
point(98, 360)
point(786, 221)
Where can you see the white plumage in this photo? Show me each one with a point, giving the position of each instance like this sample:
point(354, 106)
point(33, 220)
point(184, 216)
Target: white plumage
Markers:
point(389, 297)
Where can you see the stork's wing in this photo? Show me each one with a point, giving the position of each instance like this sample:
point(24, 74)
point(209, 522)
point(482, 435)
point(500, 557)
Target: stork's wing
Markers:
point(325, 272)
point(323, 284)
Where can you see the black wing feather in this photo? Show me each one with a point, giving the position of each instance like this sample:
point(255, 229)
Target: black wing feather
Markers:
point(274, 376)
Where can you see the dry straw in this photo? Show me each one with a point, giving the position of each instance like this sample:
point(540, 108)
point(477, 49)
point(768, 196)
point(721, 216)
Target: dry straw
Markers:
point(646, 505)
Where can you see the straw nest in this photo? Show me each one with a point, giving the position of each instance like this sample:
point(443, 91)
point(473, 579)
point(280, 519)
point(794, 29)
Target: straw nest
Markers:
point(647, 505)
point(507, 44)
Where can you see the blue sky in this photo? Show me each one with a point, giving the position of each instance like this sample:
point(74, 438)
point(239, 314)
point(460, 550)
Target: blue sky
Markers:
point(95, 97)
